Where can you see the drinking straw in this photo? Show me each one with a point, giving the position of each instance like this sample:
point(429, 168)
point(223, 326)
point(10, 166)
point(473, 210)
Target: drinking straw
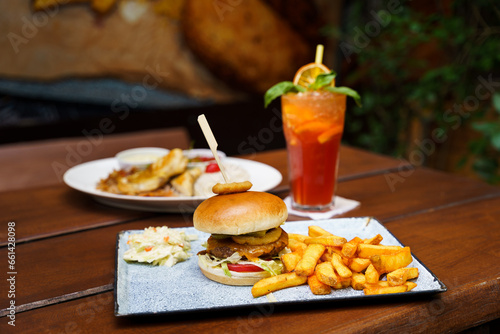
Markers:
point(319, 54)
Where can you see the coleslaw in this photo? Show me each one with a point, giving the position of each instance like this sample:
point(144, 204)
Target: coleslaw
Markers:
point(160, 246)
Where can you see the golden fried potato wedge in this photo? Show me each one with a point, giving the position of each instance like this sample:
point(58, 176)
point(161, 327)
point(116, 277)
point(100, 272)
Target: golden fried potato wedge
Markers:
point(298, 237)
point(329, 240)
point(358, 281)
point(340, 267)
point(316, 231)
point(366, 250)
point(312, 254)
point(290, 261)
point(388, 263)
point(401, 275)
point(325, 273)
point(358, 264)
point(374, 241)
point(410, 285)
point(371, 275)
point(385, 290)
point(278, 282)
point(296, 246)
point(349, 249)
point(317, 287)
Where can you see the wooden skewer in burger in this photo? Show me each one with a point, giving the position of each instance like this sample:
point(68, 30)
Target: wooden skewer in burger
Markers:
point(246, 238)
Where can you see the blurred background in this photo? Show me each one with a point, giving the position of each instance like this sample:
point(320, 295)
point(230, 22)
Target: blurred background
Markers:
point(428, 72)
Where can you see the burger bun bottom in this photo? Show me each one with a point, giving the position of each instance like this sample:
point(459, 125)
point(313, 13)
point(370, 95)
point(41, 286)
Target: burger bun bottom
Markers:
point(237, 278)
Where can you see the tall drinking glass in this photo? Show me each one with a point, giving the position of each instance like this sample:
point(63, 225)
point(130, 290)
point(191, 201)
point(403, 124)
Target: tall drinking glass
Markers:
point(313, 123)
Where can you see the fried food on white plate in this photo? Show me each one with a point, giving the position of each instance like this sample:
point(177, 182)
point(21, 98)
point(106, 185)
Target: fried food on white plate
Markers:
point(155, 175)
point(184, 183)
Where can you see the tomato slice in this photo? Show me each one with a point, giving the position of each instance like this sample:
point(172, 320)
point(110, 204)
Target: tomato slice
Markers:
point(243, 268)
point(212, 168)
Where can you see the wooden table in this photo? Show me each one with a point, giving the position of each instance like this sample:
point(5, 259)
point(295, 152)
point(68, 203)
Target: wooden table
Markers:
point(65, 256)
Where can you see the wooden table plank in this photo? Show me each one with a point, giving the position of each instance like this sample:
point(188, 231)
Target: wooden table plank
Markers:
point(42, 212)
point(452, 246)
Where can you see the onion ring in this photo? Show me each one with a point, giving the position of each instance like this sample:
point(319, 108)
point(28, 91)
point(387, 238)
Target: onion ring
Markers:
point(271, 236)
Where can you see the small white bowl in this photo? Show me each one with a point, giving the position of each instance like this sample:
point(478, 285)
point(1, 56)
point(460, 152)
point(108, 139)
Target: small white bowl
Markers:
point(203, 153)
point(140, 157)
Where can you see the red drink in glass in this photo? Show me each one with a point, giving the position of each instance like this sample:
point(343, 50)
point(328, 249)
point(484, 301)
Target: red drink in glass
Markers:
point(313, 124)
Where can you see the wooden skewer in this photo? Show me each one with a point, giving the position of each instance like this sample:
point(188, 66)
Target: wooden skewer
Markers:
point(212, 143)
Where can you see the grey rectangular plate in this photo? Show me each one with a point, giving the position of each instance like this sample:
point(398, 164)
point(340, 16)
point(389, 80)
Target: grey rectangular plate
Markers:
point(142, 289)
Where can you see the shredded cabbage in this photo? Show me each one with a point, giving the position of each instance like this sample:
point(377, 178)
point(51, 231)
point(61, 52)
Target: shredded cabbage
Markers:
point(159, 246)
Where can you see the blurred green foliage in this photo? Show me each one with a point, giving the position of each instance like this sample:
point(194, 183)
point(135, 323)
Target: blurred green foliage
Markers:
point(484, 151)
point(424, 67)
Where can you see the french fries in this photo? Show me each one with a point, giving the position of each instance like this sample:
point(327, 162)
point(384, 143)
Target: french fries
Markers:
point(274, 283)
point(316, 231)
point(327, 256)
point(340, 267)
point(298, 237)
point(410, 285)
point(373, 241)
point(358, 281)
point(367, 250)
point(326, 274)
point(379, 290)
point(318, 288)
point(350, 248)
point(297, 246)
point(328, 240)
point(399, 276)
point(328, 262)
point(312, 254)
point(290, 261)
point(358, 264)
point(387, 263)
point(371, 274)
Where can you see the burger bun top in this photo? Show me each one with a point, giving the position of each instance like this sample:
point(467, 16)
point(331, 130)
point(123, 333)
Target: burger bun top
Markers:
point(240, 213)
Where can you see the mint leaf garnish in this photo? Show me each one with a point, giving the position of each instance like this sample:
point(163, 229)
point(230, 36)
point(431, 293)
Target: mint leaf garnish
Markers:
point(280, 89)
point(346, 91)
point(322, 80)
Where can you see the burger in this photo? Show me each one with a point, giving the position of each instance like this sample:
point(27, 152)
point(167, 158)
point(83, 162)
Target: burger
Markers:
point(246, 236)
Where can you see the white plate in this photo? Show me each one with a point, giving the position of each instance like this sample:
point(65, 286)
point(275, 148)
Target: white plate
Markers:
point(85, 177)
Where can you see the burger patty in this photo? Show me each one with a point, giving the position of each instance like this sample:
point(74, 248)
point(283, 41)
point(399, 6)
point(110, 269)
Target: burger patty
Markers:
point(223, 248)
